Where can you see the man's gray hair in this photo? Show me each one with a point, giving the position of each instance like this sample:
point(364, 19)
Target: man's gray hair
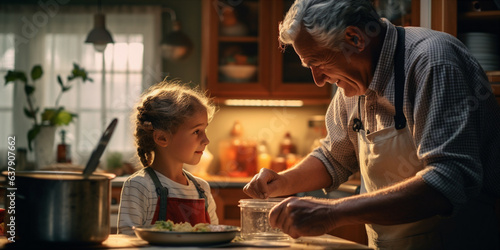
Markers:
point(326, 20)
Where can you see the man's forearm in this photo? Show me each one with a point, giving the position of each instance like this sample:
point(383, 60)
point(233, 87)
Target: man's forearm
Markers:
point(310, 174)
point(405, 202)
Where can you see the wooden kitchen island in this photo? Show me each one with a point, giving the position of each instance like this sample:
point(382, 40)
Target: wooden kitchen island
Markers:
point(119, 241)
point(228, 191)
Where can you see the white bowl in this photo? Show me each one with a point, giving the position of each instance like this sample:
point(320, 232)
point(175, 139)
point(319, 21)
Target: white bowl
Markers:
point(480, 42)
point(238, 72)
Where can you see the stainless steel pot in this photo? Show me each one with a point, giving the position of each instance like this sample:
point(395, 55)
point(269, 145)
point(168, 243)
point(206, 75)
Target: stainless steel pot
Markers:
point(62, 207)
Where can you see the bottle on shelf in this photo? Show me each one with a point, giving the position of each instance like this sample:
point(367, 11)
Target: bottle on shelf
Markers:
point(278, 164)
point(287, 156)
point(315, 132)
point(287, 146)
point(263, 156)
point(63, 149)
point(238, 156)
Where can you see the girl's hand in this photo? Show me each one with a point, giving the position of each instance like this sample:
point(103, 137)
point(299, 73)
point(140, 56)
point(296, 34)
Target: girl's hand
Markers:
point(305, 216)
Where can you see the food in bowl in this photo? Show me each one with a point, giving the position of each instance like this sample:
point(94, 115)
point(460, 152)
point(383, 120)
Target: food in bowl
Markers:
point(217, 234)
point(237, 72)
point(181, 227)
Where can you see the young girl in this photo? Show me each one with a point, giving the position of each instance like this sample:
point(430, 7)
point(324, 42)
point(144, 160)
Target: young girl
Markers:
point(170, 129)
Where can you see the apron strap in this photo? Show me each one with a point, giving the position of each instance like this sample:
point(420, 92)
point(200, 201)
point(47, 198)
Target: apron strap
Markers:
point(399, 77)
point(161, 191)
point(200, 190)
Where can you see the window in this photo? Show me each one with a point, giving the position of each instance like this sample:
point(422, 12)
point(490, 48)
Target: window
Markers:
point(56, 45)
point(7, 52)
point(123, 85)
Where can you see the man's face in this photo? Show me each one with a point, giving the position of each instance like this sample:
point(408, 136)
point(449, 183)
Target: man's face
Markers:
point(328, 66)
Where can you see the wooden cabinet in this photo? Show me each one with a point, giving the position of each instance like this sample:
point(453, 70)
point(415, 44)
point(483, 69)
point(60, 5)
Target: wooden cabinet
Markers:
point(242, 58)
point(485, 21)
point(227, 200)
point(494, 78)
point(461, 16)
point(458, 17)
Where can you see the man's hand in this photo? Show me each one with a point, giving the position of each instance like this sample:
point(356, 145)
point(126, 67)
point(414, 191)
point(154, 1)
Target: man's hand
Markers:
point(303, 216)
point(264, 184)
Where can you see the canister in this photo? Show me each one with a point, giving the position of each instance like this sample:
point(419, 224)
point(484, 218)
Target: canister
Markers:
point(255, 220)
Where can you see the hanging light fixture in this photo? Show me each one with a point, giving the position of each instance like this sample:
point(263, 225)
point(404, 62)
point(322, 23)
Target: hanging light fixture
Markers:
point(175, 45)
point(99, 35)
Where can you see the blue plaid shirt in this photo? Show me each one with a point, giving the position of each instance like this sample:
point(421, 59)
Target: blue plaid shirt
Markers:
point(451, 112)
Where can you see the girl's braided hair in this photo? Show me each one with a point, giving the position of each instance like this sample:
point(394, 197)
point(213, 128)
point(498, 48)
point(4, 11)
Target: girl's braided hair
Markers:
point(165, 106)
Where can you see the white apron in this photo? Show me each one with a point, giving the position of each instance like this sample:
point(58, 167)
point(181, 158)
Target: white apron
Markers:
point(386, 157)
point(389, 156)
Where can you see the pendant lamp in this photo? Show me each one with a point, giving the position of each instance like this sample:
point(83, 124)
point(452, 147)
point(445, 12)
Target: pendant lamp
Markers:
point(99, 35)
point(175, 45)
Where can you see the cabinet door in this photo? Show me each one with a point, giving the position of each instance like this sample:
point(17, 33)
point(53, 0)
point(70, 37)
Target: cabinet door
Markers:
point(227, 200)
point(235, 48)
point(290, 78)
point(241, 36)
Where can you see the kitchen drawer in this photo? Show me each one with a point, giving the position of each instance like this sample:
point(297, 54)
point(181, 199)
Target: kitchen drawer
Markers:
point(496, 90)
point(227, 200)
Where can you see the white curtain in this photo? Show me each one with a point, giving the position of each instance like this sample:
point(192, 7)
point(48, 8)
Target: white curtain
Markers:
point(53, 36)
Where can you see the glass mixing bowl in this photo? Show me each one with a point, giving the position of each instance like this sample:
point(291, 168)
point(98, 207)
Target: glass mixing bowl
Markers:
point(255, 220)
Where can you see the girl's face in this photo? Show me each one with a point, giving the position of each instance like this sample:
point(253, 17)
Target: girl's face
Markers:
point(187, 145)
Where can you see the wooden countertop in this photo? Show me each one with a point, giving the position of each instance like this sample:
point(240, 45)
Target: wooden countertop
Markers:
point(119, 241)
point(215, 181)
point(218, 181)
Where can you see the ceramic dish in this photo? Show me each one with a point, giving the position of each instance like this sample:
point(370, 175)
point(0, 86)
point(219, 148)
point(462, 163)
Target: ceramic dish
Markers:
point(219, 234)
point(238, 72)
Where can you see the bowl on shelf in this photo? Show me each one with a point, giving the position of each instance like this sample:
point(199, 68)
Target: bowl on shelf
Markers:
point(234, 72)
point(237, 29)
point(484, 47)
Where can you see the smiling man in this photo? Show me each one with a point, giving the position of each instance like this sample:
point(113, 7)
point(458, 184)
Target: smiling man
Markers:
point(332, 66)
point(414, 114)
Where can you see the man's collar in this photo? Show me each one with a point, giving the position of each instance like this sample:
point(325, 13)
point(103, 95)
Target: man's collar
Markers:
point(385, 64)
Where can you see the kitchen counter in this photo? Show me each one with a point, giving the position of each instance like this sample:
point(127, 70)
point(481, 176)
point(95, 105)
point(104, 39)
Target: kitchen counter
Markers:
point(227, 191)
point(218, 181)
point(117, 241)
point(215, 181)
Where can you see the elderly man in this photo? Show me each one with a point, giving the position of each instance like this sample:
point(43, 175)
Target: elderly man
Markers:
point(414, 114)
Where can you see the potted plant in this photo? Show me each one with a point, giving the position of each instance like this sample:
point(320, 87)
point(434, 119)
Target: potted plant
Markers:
point(51, 116)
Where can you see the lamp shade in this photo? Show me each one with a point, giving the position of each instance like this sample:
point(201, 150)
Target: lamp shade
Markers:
point(99, 36)
point(176, 45)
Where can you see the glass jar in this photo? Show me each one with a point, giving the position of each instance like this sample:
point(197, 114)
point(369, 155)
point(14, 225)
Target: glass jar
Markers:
point(237, 154)
point(255, 220)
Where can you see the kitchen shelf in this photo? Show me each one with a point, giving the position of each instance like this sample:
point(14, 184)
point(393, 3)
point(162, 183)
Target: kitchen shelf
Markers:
point(479, 15)
point(240, 39)
point(456, 18)
point(482, 21)
point(493, 76)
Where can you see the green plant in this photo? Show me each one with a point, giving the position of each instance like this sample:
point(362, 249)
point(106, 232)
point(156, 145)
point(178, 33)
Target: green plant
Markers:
point(114, 160)
point(53, 116)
